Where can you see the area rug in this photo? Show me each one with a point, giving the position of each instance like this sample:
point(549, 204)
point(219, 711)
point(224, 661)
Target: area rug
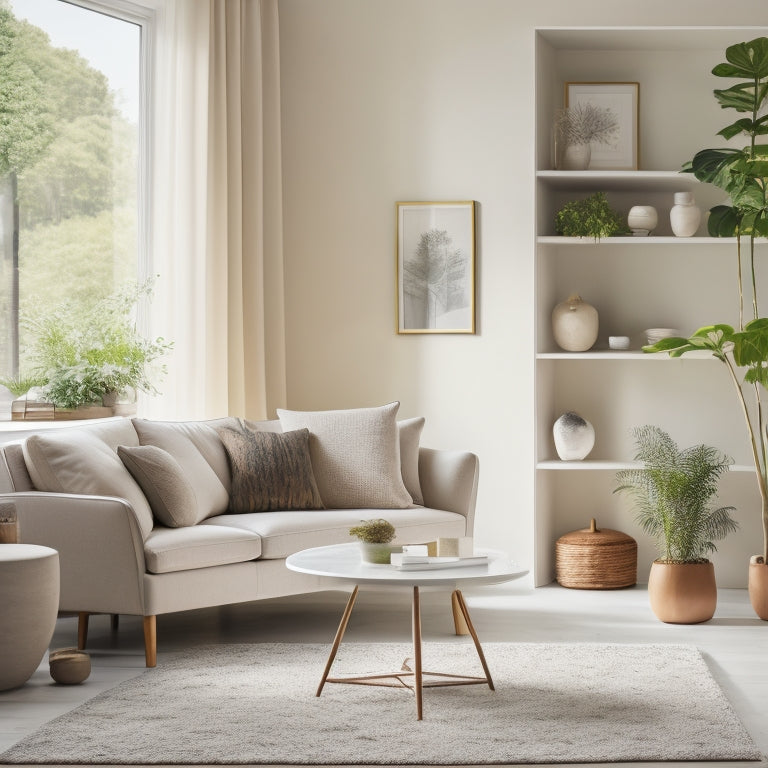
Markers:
point(553, 703)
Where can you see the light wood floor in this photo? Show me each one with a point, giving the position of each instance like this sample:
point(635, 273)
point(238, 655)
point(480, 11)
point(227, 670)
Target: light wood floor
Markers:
point(734, 643)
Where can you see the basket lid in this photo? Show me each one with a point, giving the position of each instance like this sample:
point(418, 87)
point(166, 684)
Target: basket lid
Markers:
point(595, 537)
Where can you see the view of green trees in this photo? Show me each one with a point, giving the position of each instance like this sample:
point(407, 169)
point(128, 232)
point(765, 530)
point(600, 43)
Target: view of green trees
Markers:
point(71, 156)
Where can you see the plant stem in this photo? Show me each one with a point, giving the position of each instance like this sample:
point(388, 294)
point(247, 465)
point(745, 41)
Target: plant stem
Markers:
point(756, 452)
point(740, 280)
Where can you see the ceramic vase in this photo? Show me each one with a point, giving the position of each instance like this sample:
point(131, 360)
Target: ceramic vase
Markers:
point(575, 324)
point(642, 220)
point(682, 593)
point(574, 437)
point(576, 157)
point(758, 587)
point(685, 216)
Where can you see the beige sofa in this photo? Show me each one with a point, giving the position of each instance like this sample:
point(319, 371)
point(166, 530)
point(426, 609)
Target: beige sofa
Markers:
point(121, 552)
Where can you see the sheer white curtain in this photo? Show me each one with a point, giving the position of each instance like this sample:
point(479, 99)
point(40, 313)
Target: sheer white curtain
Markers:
point(217, 226)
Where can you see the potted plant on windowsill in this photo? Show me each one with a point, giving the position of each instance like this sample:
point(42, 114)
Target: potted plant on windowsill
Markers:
point(743, 174)
point(85, 361)
point(672, 492)
point(375, 537)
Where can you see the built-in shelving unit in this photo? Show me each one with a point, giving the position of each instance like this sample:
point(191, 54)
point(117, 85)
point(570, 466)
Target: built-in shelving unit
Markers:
point(635, 283)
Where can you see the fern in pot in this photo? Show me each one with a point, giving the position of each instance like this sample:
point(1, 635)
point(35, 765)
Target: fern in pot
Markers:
point(672, 492)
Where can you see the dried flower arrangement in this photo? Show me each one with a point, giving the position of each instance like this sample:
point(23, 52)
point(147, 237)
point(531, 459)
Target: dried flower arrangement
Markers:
point(584, 123)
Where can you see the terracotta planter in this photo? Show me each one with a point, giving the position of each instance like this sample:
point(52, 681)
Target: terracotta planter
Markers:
point(682, 593)
point(758, 588)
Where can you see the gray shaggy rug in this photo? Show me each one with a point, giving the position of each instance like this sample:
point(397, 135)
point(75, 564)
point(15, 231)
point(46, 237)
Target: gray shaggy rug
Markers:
point(553, 703)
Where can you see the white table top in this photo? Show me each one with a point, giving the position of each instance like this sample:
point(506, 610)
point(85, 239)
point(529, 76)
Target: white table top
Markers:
point(343, 562)
point(11, 553)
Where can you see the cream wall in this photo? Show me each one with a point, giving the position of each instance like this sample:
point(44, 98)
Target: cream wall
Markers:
point(387, 100)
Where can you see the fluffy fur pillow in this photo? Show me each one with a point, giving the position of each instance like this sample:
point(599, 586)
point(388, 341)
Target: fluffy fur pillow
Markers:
point(270, 471)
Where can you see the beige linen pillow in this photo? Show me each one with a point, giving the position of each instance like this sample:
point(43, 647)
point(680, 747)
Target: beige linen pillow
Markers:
point(198, 450)
point(164, 484)
point(84, 460)
point(409, 431)
point(270, 471)
point(355, 456)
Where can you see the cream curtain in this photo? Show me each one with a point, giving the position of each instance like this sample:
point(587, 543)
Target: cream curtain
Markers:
point(217, 225)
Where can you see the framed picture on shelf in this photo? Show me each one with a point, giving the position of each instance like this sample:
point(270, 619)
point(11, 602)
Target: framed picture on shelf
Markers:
point(436, 267)
point(623, 100)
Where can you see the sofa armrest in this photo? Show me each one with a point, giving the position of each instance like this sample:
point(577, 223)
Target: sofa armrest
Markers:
point(101, 552)
point(449, 481)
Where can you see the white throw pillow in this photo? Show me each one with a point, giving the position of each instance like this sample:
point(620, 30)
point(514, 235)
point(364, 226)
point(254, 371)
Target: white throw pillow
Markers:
point(355, 456)
point(410, 434)
point(84, 460)
point(197, 448)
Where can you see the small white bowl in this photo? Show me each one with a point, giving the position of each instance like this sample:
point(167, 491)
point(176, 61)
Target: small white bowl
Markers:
point(657, 334)
point(618, 342)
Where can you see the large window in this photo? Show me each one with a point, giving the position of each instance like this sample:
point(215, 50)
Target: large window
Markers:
point(71, 219)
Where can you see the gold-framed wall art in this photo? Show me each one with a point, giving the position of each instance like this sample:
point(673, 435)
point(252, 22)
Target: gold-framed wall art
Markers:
point(623, 100)
point(435, 267)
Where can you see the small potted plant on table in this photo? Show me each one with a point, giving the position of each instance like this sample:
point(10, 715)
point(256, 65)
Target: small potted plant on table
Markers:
point(375, 537)
point(672, 492)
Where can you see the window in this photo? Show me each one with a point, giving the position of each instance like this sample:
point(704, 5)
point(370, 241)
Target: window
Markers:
point(72, 159)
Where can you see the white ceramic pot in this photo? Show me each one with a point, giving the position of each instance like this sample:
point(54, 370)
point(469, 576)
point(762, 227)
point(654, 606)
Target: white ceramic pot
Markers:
point(574, 437)
point(642, 219)
point(685, 216)
point(575, 324)
point(576, 157)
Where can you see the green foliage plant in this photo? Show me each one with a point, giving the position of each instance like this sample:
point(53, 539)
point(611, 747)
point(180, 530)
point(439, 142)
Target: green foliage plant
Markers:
point(743, 174)
point(85, 354)
point(373, 531)
point(672, 492)
point(590, 217)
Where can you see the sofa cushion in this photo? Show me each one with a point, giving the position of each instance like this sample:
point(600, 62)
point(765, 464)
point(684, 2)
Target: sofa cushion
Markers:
point(409, 431)
point(197, 448)
point(164, 484)
point(198, 546)
point(270, 470)
point(355, 456)
point(283, 533)
point(85, 460)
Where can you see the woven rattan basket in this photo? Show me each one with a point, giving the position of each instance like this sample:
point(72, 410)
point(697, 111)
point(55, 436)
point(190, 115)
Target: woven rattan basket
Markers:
point(596, 559)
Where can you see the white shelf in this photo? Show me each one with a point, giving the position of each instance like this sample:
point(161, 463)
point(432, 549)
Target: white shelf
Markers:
point(629, 354)
point(605, 465)
point(616, 180)
point(640, 241)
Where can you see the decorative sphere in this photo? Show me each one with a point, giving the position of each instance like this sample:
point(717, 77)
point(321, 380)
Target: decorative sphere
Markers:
point(574, 437)
point(69, 666)
point(642, 219)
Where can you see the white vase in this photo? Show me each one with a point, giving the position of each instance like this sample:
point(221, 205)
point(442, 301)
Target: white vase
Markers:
point(575, 324)
point(685, 216)
point(576, 157)
point(642, 220)
point(574, 437)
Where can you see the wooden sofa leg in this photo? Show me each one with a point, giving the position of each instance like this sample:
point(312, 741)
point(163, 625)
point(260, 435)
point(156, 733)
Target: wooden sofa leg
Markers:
point(82, 629)
point(150, 640)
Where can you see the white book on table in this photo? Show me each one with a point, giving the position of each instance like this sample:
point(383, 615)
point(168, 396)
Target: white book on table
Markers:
point(434, 563)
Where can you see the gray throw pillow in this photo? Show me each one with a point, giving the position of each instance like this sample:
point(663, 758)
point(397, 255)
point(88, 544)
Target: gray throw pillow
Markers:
point(270, 471)
point(164, 483)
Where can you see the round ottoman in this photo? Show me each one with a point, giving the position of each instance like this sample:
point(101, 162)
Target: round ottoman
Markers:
point(29, 604)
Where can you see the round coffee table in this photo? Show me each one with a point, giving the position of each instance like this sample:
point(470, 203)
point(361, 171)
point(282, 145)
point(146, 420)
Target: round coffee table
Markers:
point(342, 563)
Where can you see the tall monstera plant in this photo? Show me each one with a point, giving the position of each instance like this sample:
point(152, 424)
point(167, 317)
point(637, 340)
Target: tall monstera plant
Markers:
point(742, 173)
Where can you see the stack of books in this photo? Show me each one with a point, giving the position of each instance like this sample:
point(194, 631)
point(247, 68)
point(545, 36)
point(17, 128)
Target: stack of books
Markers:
point(416, 558)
